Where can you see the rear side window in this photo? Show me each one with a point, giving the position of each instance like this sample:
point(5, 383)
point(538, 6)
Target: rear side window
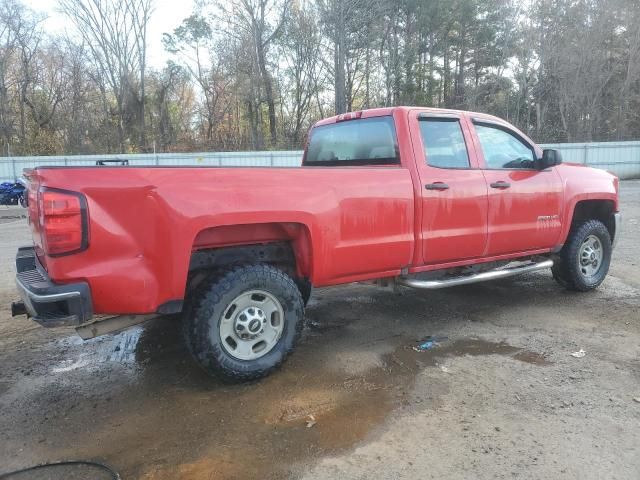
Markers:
point(369, 141)
point(443, 141)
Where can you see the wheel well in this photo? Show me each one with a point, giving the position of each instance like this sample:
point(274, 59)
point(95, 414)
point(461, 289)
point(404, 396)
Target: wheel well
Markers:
point(278, 254)
point(286, 246)
point(595, 210)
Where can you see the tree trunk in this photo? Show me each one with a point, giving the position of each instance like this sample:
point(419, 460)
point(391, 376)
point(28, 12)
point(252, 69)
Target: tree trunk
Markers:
point(143, 137)
point(339, 60)
point(446, 79)
point(459, 88)
point(268, 91)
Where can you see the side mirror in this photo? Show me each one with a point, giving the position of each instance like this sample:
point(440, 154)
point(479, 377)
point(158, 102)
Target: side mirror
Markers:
point(550, 158)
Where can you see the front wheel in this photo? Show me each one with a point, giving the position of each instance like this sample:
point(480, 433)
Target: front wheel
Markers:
point(245, 322)
point(585, 258)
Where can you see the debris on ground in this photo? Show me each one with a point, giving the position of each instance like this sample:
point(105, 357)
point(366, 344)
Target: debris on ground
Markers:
point(311, 421)
point(429, 342)
point(424, 346)
point(636, 399)
point(579, 354)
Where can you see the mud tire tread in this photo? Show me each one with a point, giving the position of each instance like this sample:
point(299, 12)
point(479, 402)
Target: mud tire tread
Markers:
point(566, 271)
point(206, 305)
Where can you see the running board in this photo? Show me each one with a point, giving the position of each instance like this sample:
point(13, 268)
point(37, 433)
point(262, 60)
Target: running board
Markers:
point(478, 277)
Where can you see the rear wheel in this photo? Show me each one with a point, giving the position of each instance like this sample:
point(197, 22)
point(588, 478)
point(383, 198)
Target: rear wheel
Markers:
point(585, 258)
point(244, 322)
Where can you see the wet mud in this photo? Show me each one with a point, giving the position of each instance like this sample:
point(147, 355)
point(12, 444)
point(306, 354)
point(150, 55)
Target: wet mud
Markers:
point(158, 416)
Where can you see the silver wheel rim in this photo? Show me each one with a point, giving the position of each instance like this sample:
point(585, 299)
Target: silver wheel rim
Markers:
point(590, 256)
point(251, 325)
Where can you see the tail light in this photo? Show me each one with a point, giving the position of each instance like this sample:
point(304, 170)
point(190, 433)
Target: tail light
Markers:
point(63, 221)
point(32, 205)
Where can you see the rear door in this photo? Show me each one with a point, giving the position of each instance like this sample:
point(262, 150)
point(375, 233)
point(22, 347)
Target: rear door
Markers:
point(453, 189)
point(366, 210)
point(524, 202)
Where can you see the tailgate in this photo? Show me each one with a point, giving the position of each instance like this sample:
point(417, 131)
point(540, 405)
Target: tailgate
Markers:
point(33, 211)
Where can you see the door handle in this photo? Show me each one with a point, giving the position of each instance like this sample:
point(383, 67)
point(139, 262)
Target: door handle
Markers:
point(501, 185)
point(436, 186)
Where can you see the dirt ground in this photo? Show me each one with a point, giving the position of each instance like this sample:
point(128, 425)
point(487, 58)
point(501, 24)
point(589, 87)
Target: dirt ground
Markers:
point(499, 396)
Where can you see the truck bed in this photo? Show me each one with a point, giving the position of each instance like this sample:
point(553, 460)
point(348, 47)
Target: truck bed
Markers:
point(144, 223)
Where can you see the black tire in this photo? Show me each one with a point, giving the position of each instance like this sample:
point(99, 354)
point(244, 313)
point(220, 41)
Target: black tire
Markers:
point(568, 272)
point(209, 303)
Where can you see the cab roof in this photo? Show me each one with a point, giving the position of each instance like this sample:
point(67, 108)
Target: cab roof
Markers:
point(384, 111)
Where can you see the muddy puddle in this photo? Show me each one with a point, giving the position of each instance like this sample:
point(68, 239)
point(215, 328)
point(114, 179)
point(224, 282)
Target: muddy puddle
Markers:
point(475, 347)
point(139, 403)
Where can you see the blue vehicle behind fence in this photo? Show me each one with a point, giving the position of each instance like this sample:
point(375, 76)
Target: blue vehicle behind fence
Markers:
point(12, 193)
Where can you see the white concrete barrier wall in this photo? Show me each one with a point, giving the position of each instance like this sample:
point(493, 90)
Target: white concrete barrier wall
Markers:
point(621, 158)
point(12, 167)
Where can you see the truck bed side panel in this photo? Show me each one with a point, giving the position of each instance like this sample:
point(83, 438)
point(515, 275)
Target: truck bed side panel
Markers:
point(143, 222)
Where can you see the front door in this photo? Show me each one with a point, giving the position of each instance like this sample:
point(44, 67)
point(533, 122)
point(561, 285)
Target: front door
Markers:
point(524, 202)
point(453, 189)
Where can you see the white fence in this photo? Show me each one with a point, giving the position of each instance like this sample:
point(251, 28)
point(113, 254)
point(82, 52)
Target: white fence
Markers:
point(11, 168)
point(621, 158)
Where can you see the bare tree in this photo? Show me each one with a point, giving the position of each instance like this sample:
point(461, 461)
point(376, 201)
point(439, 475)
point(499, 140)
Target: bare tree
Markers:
point(301, 48)
point(629, 47)
point(194, 44)
point(346, 23)
point(43, 95)
point(19, 40)
point(140, 12)
point(580, 68)
point(115, 32)
point(260, 22)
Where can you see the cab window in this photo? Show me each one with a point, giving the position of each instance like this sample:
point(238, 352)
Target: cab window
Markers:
point(369, 141)
point(504, 150)
point(443, 141)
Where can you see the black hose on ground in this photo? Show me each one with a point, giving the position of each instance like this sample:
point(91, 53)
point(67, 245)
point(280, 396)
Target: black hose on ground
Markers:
point(114, 475)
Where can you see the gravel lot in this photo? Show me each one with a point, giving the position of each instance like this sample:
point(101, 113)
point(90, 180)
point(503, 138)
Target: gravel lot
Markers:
point(499, 397)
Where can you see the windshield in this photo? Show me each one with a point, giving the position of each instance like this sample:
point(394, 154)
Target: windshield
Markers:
point(370, 141)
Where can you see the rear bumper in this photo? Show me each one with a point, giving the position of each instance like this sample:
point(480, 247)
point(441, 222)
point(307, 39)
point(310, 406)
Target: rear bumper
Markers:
point(49, 304)
point(617, 225)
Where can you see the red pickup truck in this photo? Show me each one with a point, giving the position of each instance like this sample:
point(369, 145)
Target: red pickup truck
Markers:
point(416, 197)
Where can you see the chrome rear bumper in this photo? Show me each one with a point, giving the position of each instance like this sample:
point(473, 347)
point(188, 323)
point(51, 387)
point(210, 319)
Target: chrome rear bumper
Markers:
point(48, 303)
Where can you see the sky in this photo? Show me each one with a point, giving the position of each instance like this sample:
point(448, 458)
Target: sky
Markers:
point(168, 14)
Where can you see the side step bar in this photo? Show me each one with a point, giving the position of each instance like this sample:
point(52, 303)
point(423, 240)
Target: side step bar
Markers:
point(478, 277)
